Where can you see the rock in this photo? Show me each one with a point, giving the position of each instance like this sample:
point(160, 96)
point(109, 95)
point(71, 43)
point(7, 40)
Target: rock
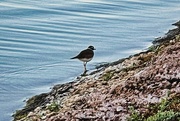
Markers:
point(32, 103)
point(31, 114)
point(170, 35)
point(37, 109)
point(119, 108)
point(177, 24)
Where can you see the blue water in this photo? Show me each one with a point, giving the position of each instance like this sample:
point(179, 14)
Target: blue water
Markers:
point(37, 38)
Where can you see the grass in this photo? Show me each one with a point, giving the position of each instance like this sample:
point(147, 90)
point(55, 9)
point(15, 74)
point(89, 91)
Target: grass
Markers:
point(164, 116)
point(167, 110)
point(135, 115)
point(54, 107)
point(107, 76)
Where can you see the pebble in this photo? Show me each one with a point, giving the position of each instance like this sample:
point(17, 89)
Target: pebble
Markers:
point(31, 114)
point(119, 108)
point(37, 109)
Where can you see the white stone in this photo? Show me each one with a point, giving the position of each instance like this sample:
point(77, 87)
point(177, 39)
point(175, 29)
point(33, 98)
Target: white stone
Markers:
point(37, 109)
point(119, 108)
point(30, 114)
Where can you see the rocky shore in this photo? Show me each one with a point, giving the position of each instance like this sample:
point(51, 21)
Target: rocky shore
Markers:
point(141, 87)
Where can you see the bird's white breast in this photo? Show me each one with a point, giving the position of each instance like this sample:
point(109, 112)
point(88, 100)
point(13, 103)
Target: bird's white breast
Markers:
point(85, 59)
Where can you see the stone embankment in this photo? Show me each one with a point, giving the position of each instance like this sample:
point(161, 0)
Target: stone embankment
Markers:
point(144, 86)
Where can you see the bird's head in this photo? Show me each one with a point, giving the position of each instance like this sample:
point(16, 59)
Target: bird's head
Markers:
point(91, 47)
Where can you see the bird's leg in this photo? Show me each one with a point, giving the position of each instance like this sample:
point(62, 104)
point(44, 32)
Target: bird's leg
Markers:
point(85, 68)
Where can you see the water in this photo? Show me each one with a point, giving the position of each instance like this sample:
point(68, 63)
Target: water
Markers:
point(37, 38)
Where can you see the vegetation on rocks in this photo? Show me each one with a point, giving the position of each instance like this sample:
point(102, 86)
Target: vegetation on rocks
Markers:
point(53, 107)
point(167, 110)
point(143, 87)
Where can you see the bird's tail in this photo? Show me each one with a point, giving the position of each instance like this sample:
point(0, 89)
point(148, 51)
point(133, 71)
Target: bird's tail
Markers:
point(73, 57)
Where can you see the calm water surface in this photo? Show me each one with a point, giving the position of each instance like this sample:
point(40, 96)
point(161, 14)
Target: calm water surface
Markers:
point(37, 38)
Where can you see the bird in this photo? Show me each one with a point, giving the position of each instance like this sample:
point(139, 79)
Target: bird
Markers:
point(85, 56)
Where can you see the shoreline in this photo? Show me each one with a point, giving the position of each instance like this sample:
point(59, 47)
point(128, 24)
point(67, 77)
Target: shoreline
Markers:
point(104, 91)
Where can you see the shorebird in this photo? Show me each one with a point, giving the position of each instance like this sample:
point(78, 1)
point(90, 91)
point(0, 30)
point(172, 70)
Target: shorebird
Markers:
point(85, 56)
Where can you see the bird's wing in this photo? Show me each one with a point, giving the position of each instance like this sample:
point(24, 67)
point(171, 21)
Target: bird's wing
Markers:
point(86, 54)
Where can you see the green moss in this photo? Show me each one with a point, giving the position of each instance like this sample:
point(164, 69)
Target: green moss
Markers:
point(18, 115)
point(135, 116)
point(164, 116)
point(153, 48)
point(107, 76)
point(129, 68)
point(54, 107)
point(31, 104)
point(174, 103)
point(167, 110)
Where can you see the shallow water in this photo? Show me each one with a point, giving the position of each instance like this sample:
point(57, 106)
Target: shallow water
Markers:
point(37, 38)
